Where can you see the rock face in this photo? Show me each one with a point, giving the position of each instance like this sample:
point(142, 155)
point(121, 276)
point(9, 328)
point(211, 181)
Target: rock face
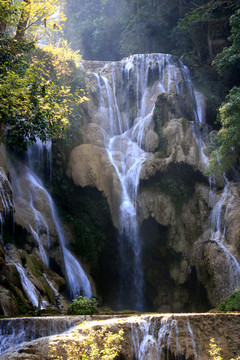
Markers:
point(152, 99)
point(151, 337)
point(31, 245)
point(142, 146)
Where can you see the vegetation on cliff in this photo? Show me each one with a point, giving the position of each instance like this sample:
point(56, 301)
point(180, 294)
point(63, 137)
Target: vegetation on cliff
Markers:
point(232, 303)
point(83, 306)
point(225, 150)
point(90, 344)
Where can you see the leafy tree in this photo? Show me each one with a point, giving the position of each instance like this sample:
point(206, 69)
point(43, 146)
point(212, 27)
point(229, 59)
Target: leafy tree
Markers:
point(38, 17)
point(225, 150)
point(228, 61)
point(32, 104)
point(37, 90)
point(207, 24)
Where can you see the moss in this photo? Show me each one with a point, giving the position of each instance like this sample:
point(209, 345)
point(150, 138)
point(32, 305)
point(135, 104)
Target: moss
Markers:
point(232, 303)
point(175, 262)
point(184, 124)
point(159, 154)
point(22, 303)
point(27, 260)
point(36, 267)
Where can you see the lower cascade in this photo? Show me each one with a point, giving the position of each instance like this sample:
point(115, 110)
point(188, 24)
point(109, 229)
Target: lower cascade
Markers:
point(151, 337)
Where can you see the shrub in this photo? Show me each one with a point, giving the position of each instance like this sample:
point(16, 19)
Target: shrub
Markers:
point(89, 344)
point(215, 351)
point(83, 306)
point(232, 303)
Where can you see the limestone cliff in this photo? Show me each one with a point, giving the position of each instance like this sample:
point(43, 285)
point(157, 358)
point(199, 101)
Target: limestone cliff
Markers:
point(153, 230)
point(182, 256)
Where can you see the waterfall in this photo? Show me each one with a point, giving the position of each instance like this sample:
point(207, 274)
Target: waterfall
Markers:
point(221, 205)
point(126, 116)
point(218, 232)
point(7, 203)
point(17, 331)
point(32, 197)
point(77, 280)
point(157, 338)
point(39, 158)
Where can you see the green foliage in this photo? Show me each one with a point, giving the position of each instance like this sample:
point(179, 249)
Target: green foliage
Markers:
point(228, 61)
point(33, 101)
point(225, 150)
point(83, 306)
point(232, 303)
point(37, 90)
point(90, 344)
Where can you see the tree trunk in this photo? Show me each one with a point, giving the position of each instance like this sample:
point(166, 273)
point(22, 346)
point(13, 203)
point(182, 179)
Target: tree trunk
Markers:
point(180, 8)
point(3, 26)
point(22, 25)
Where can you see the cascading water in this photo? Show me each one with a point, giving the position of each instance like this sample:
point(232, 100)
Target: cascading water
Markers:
point(7, 203)
point(17, 331)
point(219, 204)
point(32, 196)
point(126, 116)
point(218, 232)
point(156, 339)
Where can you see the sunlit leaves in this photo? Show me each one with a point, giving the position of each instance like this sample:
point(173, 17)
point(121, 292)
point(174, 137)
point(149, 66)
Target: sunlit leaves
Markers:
point(225, 151)
point(41, 17)
point(44, 16)
point(32, 103)
point(89, 344)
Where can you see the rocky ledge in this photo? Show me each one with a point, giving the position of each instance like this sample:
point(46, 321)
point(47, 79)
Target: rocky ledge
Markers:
point(148, 336)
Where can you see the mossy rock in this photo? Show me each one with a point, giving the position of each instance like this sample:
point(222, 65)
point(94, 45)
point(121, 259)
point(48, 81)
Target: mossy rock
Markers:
point(27, 260)
point(21, 301)
point(37, 267)
point(232, 303)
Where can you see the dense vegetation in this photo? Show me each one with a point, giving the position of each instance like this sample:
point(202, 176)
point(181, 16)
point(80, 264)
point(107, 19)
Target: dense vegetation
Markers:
point(232, 303)
point(83, 306)
point(37, 91)
point(90, 344)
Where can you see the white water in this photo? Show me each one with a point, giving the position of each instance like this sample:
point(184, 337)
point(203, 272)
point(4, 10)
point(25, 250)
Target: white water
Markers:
point(31, 194)
point(39, 157)
point(154, 341)
point(77, 280)
point(17, 331)
point(126, 116)
point(7, 203)
point(218, 232)
point(29, 288)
